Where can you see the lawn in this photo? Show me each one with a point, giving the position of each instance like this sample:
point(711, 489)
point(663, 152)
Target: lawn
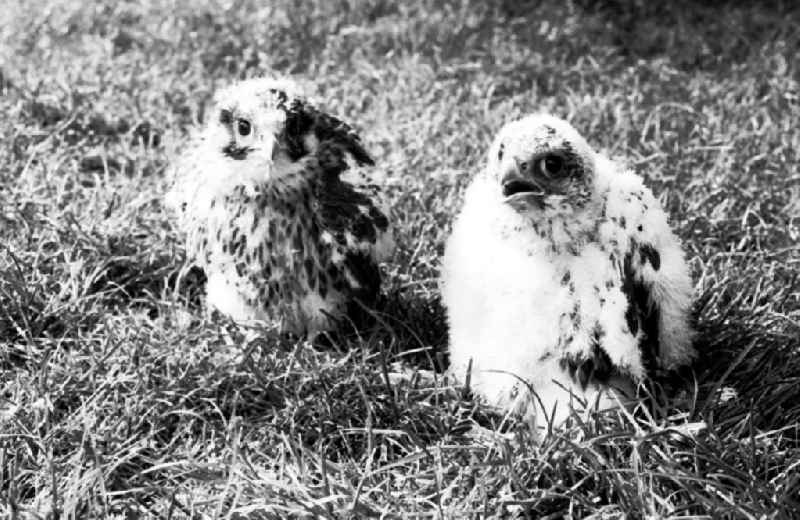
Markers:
point(122, 398)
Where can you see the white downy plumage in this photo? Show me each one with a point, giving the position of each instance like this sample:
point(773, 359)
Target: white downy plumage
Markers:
point(561, 276)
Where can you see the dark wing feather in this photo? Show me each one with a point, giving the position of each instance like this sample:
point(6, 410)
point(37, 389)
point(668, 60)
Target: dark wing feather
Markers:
point(642, 314)
point(302, 118)
point(342, 216)
point(345, 211)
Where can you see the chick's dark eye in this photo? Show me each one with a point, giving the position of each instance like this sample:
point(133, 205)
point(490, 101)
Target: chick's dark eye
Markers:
point(243, 127)
point(551, 165)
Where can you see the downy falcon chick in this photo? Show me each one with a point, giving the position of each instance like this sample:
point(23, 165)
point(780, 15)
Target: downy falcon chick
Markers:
point(561, 276)
point(281, 235)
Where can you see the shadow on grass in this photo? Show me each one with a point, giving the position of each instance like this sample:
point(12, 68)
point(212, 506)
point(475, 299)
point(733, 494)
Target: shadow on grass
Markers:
point(748, 366)
point(404, 326)
point(694, 35)
point(41, 298)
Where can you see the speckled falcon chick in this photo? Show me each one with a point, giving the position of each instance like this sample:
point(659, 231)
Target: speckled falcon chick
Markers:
point(562, 276)
point(269, 213)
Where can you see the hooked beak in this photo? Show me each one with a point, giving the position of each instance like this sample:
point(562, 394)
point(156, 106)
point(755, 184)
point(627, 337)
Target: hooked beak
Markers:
point(267, 148)
point(520, 189)
point(235, 152)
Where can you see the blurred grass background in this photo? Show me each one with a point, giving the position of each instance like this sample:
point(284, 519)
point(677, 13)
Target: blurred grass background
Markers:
point(120, 398)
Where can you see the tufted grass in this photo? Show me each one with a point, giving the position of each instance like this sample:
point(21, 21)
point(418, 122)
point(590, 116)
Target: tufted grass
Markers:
point(121, 398)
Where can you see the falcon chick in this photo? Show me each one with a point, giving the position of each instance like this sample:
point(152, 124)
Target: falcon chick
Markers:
point(562, 276)
point(280, 234)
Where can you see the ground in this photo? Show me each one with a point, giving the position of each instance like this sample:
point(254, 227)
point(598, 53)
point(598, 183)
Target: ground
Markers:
point(120, 397)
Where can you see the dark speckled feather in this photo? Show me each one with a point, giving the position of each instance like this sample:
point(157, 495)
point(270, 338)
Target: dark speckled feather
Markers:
point(353, 220)
point(642, 313)
point(302, 118)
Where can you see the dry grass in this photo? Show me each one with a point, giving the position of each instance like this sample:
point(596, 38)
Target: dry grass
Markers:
point(120, 398)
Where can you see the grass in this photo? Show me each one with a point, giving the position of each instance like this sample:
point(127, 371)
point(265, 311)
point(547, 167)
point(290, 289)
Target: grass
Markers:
point(120, 398)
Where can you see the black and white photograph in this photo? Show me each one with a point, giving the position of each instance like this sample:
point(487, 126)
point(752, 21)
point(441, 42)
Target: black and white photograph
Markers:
point(416, 259)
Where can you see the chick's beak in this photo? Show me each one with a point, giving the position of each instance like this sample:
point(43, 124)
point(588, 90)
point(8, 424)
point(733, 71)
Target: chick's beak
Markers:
point(519, 186)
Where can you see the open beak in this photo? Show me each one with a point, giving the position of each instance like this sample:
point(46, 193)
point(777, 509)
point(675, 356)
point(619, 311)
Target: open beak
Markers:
point(521, 190)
